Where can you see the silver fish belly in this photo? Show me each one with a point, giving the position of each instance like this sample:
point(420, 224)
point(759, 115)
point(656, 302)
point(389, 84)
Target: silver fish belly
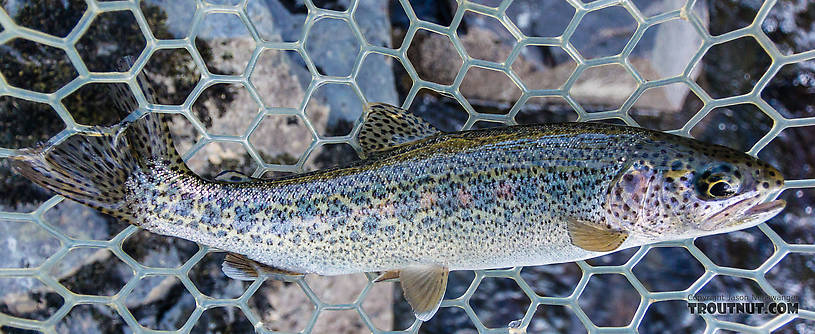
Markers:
point(497, 203)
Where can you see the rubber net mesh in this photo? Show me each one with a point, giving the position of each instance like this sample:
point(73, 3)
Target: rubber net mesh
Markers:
point(43, 277)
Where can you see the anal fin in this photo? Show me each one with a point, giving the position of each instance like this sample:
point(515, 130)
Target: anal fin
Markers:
point(240, 267)
point(423, 287)
point(594, 239)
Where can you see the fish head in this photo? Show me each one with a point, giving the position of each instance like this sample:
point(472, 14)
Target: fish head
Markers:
point(676, 188)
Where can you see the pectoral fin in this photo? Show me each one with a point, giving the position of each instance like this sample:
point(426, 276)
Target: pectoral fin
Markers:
point(593, 238)
point(386, 126)
point(232, 177)
point(424, 288)
point(240, 267)
point(388, 276)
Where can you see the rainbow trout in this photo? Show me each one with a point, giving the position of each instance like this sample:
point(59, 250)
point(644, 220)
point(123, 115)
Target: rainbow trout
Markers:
point(422, 202)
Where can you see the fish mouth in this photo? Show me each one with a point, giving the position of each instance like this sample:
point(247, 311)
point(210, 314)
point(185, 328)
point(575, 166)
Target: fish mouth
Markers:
point(742, 215)
point(773, 207)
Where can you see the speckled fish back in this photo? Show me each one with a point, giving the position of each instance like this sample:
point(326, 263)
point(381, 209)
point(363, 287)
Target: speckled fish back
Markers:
point(468, 200)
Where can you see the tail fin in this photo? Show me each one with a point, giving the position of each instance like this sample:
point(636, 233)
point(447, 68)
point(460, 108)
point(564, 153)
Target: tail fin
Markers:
point(92, 168)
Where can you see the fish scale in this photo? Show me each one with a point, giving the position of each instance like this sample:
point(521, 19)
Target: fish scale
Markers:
point(505, 194)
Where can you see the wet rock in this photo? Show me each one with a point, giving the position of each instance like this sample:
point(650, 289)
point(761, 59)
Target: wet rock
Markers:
point(434, 57)
point(664, 51)
point(169, 19)
point(158, 251)
point(544, 19)
point(282, 306)
point(26, 123)
point(277, 21)
point(81, 222)
point(223, 320)
point(280, 79)
point(160, 302)
point(23, 195)
point(345, 289)
point(230, 109)
point(373, 19)
point(789, 25)
point(92, 318)
point(28, 298)
point(25, 244)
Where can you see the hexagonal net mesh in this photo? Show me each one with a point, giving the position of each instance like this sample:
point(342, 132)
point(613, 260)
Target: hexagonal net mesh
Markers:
point(327, 77)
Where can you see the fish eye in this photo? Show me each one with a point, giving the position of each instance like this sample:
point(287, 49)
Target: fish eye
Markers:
point(720, 189)
point(718, 183)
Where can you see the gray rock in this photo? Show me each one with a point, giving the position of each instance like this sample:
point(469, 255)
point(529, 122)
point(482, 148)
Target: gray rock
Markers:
point(373, 19)
point(25, 244)
point(541, 18)
point(92, 319)
point(274, 22)
point(281, 79)
point(28, 298)
point(160, 302)
point(375, 78)
point(332, 46)
point(663, 51)
point(81, 222)
point(179, 15)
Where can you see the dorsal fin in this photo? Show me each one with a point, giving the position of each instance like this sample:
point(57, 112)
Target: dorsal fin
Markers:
point(386, 126)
